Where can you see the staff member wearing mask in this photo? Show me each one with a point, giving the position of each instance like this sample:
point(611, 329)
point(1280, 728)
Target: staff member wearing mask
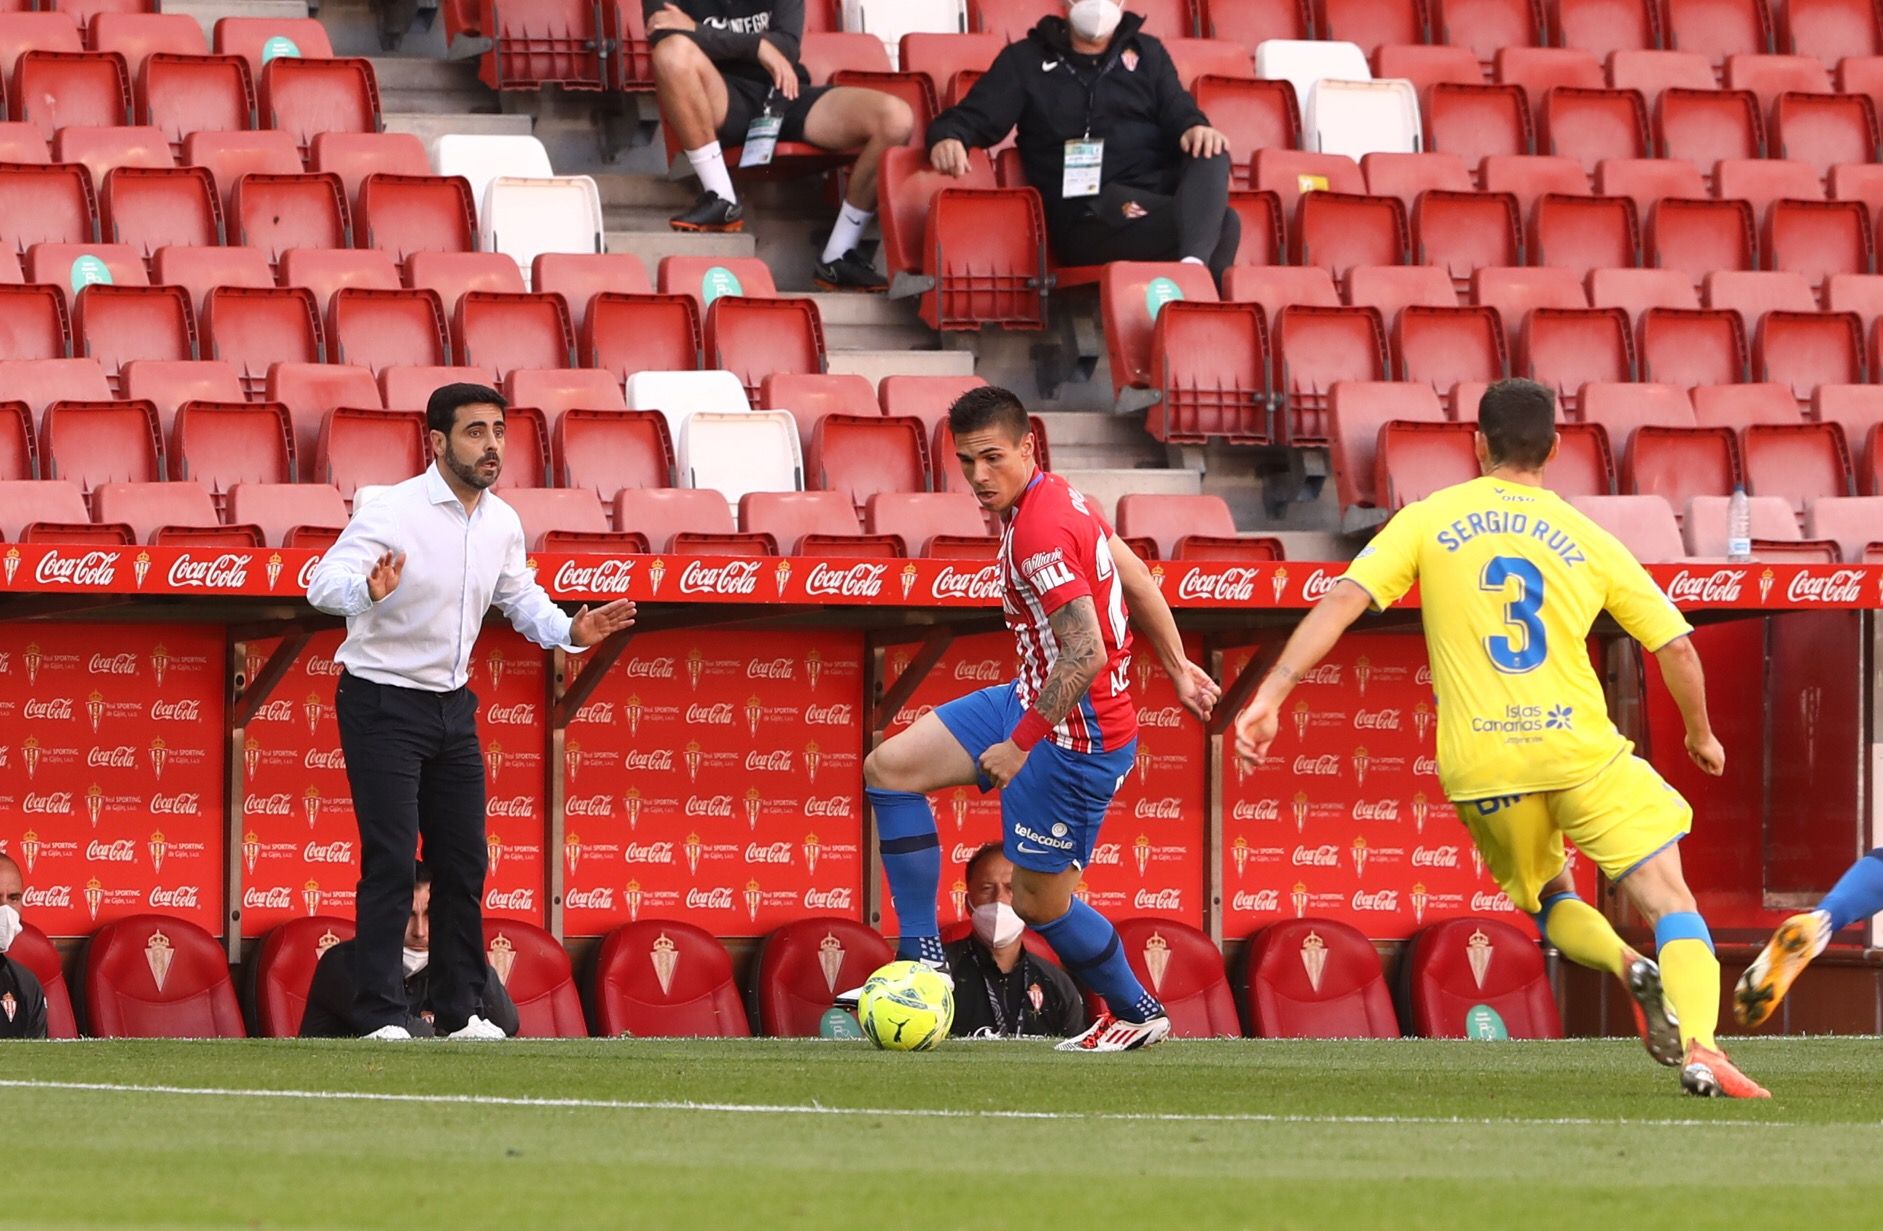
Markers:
point(1125, 162)
point(22, 1000)
point(1001, 990)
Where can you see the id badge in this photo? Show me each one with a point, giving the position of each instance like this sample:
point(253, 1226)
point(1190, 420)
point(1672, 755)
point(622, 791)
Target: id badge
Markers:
point(1085, 161)
point(761, 140)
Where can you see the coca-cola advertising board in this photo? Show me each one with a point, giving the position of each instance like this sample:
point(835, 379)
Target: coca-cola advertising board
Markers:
point(111, 771)
point(717, 778)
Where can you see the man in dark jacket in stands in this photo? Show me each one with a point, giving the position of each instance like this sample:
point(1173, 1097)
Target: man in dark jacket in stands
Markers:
point(1001, 990)
point(22, 1000)
point(1126, 163)
point(330, 999)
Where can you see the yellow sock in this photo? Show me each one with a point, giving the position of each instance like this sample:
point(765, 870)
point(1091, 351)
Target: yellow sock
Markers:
point(1690, 975)
point(1581, 933)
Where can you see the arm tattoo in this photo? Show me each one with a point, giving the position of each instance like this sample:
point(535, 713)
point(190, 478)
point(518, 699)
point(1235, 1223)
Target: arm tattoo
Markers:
point(1286, 672)
point(1081, 657)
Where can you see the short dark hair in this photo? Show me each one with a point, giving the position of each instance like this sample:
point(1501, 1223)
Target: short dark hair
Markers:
point(1518, 419)
point(421, 873)
point(981, 854)
point(441, 413)
point(985, 407)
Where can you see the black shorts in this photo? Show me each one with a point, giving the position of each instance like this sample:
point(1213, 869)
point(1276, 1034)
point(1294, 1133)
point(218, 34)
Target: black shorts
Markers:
point(745, 102)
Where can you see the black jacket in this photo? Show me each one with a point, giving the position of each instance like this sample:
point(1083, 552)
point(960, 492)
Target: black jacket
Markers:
point(1035, 998)
point(330, 999)
point(730, 30)
point(22, 1002)
point(1138, 105)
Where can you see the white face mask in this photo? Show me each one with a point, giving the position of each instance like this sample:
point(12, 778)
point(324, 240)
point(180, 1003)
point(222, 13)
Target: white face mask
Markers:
point(9, 927)
point(1094, 20)
point(415, 960)
point(997, 925)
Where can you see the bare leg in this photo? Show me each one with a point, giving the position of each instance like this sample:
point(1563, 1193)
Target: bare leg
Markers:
point(691, 92)
point(899, 775)
point(924, 758)
point(867, 121)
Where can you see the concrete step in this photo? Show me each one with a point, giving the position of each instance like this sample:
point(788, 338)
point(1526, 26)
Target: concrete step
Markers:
point(876, 364)
point(208, 12)
point(871, 322)
point(427, 126)
point(650, 246)
point(1095, 429)
point(1105, 486)
point(415, 73)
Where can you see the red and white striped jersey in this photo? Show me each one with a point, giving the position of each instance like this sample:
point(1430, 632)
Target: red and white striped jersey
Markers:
point(1057, 548)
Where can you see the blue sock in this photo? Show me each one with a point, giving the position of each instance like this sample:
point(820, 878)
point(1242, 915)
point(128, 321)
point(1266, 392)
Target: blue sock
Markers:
point(1858, 894)
point(905, 832)
point(1088, 944)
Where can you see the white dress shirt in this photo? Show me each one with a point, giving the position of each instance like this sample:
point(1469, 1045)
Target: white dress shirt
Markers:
point(456, 566)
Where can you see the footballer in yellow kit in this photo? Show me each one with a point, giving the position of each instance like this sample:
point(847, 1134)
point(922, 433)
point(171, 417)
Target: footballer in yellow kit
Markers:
point(1511, 579)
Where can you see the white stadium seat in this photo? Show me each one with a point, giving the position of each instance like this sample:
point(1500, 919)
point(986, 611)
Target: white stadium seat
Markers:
point(1357, 118)
point(733, 454)
point(889, 20)
point(523, 218)
point(482, 158)
point(680, 394)
point(1301, 63)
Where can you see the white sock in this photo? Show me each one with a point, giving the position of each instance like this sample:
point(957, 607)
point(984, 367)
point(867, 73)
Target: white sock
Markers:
point(1191, 260)
point(709, 163)
point(848, 232)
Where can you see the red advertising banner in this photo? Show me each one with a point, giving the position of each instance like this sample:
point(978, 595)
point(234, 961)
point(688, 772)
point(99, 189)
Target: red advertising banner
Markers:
point(717, 780)
point(113, 759)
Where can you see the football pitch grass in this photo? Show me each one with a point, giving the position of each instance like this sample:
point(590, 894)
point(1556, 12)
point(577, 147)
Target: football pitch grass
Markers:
point(761, 1134)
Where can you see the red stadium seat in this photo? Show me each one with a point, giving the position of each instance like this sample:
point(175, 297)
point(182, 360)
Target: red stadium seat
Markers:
point(148, 208)
point(1356, 412)
point(663, 978)
point(925, 397)
point(451, 274)
point(811, 396)
point(1477, 122)
point(1426, 66)
point(93, 443)
point(1699, 237)
point(1769, 76)
point(115, 324)
point(1582, 233)
point(404, 214)
point(861, 455)
point(1538, 70)
point(1809, 350)
point(580, 276)
point(612, 451)
point(939, 57)
point(1275, 287)
point(378, 329)
point(1854, 524)
point(135, 36)
point(1585, 464)
point(1829, 30)
point(1316, 979)
point(1567, 348)
point(34, 951)
point(1168, 520)
point(250, 38)
point(1645, 181)
point(1644, 524)
point(539, 45)
point(304, 97)
point(1717, 29)
point(756, 338)
point(154, 977)
point(1705, 126)
point(1819, 239)
point(231, 155)
point(1183, 968)
point(19, 443)
point(634, 333)
point(1514, 292)
point(1461, 232)
point(187, 94)
point(1602, 27)
point(290, 514)
point(828, 52)
point(284, 971)
point(1736, 406)
point(1290, 173)
point(102, 150)
point(1254, 115)
point(555, 390)
point(33, 324)
point(974, 252)
point(176, 513)
point(1859, 293)
point(46, 510)
point(363, 448)
point(1529, 176)
point(943, 525)
point(708, 278)
point(1799, 462)
point(567, 519)
point(1393, 287)
point(71, 267)
point(810, 524)
point(309, 391)
point(1774, 530)
point(686, 519)
point(1407, 175)
point(1248, 22)
point(1211, 374)
point(527, 459)
point(1011, 19)
point(1132, 295)
point(221, 444)
point(1681, 463)
point(1591, 125)
point(54, 89)
point(410, 387)
point(501, 332)
point(277, 213)
point(1856, 182)
point(1314, 349)
point(355, 156)
point(46, 204)
point(325, 271)
point(37, 383)
point(803, 965)
point(1370, 23)
point(1686, 347)
point(1823, 130)
point(1414, 459)
point(254, 328)
point(1444, 347)
point(1620, 409)
point(1338, 231)
point(1855, 408)
point(1634, 291)
point(197, 270)
point(535, 971)
point(1761, 181)
point(1455, 966)
point(22, 143)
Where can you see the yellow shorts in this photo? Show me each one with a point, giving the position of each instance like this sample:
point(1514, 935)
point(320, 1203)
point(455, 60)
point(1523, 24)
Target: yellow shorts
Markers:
point(1618, 818)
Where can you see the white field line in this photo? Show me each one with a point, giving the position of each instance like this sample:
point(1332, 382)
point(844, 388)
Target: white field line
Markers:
point(919, 1113)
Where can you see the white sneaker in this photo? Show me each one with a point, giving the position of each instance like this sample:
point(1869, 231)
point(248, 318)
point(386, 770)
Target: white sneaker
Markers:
point(478, 1028)
point(1109, 1034)
point(389, 1034)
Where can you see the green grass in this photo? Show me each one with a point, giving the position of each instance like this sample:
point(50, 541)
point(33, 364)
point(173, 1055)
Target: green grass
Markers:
point(1475, 1136)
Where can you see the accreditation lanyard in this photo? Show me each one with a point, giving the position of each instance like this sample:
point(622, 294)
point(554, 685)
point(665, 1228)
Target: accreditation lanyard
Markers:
point(1085, 158)
point(994, 1002)
point(761, 139)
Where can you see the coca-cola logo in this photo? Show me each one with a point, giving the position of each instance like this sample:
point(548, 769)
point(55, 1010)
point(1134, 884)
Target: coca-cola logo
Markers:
point(1324, 856)
point(55, 709)
point(589, 899)
point(1376, 902)
point(838, 715)
point(49, 803)
point(655, 761)
point(1319, 582)
point(275, 711)
point(1843, 586)
point(589, 805)
point(1719, 586)
point(122, 757)
point(1107, 854)
point(1423, 675)
point(846, 581)
point(328, 852)
point(776, 852)
point(985, 671)
point(521, 900)
point(1169, 808)
point(909, 715)
point(93, 569)
point(323, 758)
point(1376, 720)
point(954, 583)
point(1158, 899)
point(48, 897)
point(278, 804)
point(121, 851)
point(1326, 673)
point(228, 571)
point(1435, 857)
point(1167, 718)
point(1326, 766)
point(1426, 767)
point(648, 852)
point(277, 898)
point(709, 899)
point(595, 711)
point(1230, 585)
point(113, 664)
point(738, 578)
point(321, 665)
point(827, 899)
point(771, 669)
point(305, 577)
point(1482, 902)
point(608, 577)
point(649, 668)
point(1383, 810)
point(832, 805)
point(1256, 810)
point(778, 762)
point(520, 714)
point(512, 806)
point(183, 803)
point(711, 805)
point(1261, 899)
point(717, 715)
point(963, 851)
point(183, 897)
point(187, 710)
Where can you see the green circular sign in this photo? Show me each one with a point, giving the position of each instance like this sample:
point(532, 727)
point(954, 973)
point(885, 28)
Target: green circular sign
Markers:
point(1160, 292)
point(89, 270)
point(1482, 1022)
point(838, 1024)
point(280, 47)
point(719, 281)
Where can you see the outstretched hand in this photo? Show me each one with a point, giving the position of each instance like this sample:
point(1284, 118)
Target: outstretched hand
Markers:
point(590, 627)
point(1256, 728)
point(1196, 691)
point(384, 578)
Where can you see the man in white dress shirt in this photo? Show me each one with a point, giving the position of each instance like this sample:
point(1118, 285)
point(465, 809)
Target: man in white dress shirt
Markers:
point(414, 573)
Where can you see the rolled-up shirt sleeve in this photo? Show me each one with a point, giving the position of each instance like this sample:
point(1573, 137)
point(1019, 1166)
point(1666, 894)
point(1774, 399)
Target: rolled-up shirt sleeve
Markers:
point(338, 586)
point(527, 605)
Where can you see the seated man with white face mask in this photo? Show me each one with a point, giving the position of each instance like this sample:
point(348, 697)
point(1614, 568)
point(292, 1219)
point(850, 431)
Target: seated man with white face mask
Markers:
point(1001, 990)
point(22, 1000)
point(330, 999)
point(1125, 162)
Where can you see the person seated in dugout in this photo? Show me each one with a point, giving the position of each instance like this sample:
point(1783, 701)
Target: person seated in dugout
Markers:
point(22, 1000)
point(726, 74)
point(1001, 990)
point(1124, 160)
point(330, 999)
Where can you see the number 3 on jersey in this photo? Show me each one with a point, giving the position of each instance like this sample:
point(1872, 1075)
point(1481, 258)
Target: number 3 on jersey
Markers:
point(1528, 647)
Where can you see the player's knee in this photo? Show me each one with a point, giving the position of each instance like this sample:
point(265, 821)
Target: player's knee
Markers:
point(1036, 906)
point(894, 122)
point(676, 58)
point(881, 771)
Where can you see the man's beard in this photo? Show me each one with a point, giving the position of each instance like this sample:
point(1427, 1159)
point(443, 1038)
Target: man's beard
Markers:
point(469, 474)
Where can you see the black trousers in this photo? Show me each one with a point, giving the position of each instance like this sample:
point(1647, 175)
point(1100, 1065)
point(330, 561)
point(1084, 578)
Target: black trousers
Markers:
point(416, 772)
point(1137, 224)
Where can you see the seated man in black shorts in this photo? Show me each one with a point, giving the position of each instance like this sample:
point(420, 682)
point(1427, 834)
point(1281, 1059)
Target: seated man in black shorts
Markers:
point(726, 73)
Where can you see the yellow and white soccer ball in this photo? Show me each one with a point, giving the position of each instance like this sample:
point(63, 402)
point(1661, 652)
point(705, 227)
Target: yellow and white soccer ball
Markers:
point(906, 1007)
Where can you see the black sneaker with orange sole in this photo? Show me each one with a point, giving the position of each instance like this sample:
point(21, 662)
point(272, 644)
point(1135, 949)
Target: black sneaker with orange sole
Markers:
point(712, 214)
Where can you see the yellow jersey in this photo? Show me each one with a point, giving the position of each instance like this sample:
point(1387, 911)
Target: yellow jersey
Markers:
point(1511, 578)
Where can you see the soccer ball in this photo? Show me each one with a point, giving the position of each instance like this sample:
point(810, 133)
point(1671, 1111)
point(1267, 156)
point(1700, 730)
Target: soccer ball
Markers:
point(906, 1006)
